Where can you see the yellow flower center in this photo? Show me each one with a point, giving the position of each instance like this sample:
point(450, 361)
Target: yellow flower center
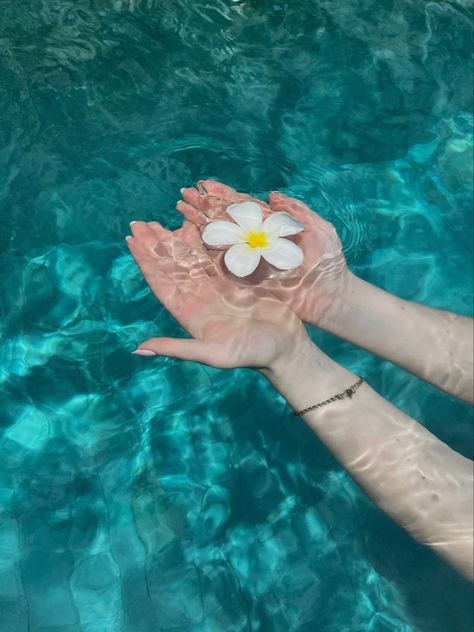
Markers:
point(256, 239)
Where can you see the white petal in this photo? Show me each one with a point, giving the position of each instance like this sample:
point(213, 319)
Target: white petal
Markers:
point(242, 260)
point(220, 233)
point(281, 224)
point(283, 254)
point(248, 215)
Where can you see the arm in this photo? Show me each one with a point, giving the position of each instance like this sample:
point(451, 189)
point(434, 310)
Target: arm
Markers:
point(436, 345)
point(418, 480)
point(414, 477)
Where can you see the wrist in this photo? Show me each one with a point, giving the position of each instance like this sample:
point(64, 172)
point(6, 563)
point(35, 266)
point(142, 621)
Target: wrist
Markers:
point(307, 376)
point(303, 354)
point(338, 316)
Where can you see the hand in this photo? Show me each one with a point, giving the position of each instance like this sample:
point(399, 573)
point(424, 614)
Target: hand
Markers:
point(232, 326)
point(310, 290)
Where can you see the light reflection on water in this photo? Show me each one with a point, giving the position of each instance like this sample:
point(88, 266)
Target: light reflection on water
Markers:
point(138, 496)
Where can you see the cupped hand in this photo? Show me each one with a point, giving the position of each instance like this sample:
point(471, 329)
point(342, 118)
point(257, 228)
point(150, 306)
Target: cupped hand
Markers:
point(232, 326)
point(310, 290)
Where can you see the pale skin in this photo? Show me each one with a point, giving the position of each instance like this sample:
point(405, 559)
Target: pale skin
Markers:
point(433, 344)
point(257, 322)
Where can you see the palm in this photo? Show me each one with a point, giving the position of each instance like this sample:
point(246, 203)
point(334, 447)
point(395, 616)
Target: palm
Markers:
point(235, 326)
point(310, 289)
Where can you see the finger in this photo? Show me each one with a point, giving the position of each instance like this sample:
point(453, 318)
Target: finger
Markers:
point(136, 248)
point(160, 241)
point(183, 348)
point(218, 189)
point(206, 207)
point(183, 229)
point(172, 241)
point(190, 234)
point(297, 208)
point(282, 202)
point(194, 198)
point(160, 231)
point(144, 234)
point(143, 256)
point(173, 276)
point(155, 274)
point(191, 213)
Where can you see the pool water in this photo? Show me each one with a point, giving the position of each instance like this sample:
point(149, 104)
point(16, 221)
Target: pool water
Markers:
point(147, 496)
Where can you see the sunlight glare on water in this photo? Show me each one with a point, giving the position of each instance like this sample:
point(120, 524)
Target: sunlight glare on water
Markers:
point(140, 496)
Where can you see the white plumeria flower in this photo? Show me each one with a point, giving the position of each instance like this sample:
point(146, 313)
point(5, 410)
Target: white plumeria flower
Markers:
point(251, 238)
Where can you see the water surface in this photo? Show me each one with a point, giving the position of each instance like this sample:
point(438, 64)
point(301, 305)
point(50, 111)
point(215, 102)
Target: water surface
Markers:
point(140, 496)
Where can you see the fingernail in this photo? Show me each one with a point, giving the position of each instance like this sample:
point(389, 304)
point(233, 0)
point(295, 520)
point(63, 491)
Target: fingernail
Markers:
point(144, 352)
point(128, 237)
point(134, 222)
point(182, 190)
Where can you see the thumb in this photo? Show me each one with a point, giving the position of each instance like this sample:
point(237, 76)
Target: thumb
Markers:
point(183, 348)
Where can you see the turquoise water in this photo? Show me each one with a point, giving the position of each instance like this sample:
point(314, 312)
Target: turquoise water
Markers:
point(140, 496)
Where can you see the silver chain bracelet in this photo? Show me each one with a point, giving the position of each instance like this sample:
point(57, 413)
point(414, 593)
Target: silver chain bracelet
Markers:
point(349, 392)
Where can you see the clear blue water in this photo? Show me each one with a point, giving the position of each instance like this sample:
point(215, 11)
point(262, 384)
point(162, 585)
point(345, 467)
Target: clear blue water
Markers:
point(140, 496)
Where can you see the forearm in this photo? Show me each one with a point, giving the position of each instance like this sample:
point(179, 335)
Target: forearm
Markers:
point(415, 478)
point(433, 344)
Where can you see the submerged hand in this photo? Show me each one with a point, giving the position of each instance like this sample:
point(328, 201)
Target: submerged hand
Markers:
point(309, 290)
point(232, 326)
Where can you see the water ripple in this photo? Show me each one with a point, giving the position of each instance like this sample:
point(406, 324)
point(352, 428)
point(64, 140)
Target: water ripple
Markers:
point(138, 496)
